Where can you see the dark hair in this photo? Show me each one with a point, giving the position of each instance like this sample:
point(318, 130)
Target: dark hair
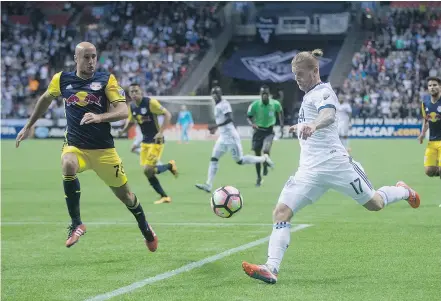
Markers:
point(135, 85)
point(437, 79)
point(264, 87)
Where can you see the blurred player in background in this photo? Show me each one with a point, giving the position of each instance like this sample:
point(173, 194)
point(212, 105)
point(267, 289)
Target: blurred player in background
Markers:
point(185, 123)
point(262, 117)
point(431, 111)
point(91, 100)
point(229, 140)
point(344, 113)
point(136, 145)
point(145, 111)
point(324, 164)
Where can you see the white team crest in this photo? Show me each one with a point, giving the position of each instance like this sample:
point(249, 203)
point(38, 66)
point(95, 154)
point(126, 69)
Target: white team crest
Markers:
point(439, 109)
point(275, 66)
point(143, 111)
point(95, 86)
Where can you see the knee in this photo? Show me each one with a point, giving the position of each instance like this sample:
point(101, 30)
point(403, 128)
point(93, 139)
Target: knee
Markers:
point(69, 165)
point(149, 171)
point(375, 204)
point(431, 171)
point(282, 213)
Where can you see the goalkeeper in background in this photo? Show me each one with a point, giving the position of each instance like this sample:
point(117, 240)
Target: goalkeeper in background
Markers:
point(185, 123)
point(262, 117)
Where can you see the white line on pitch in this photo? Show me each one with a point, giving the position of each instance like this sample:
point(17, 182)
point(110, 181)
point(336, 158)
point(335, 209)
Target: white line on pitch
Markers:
point(18, 223)
point(186, 268)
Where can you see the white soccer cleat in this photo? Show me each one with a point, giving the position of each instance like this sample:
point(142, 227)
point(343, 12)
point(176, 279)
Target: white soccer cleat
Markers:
point(204, 187)
point(268, 160)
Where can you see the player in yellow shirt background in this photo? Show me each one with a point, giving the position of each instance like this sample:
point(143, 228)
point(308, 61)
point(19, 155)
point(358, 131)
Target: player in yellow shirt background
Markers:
point(91, 100)
point(145, 112)
point(431, 111)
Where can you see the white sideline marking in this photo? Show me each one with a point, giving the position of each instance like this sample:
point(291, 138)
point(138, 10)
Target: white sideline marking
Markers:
point(23, 223)
point(185, 268)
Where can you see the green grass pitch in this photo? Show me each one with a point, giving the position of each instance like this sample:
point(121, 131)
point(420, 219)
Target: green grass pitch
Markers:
point(348, 253)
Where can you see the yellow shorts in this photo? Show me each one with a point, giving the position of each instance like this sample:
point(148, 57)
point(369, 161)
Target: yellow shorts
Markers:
point(432, 156)
point(150, 153)
point(105, 162)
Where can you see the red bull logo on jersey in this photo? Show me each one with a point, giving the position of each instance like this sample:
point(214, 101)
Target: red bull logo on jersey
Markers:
point(433, 117)
point(82, 99)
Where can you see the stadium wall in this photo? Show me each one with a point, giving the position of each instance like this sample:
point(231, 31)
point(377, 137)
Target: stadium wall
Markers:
point(376, 128)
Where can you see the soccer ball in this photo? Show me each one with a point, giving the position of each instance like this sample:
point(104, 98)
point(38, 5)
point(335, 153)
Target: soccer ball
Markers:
point(226, 201)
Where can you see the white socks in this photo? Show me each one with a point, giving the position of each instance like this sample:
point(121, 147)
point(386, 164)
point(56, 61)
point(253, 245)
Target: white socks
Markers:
point(249, 159)
point(392, 194)
point(212, 170)
point(279, 241)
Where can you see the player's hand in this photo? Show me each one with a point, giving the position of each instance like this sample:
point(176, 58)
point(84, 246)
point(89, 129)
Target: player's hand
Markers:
point(212, 128)
point(254, 126)
point(293, 129)
point(307, 130)
point(90, 118)
point(159, 137)
point(421, 139)
point(22, 135)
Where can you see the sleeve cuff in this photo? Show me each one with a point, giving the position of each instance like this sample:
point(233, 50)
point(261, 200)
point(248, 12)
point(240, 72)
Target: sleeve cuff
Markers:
point(328, 106)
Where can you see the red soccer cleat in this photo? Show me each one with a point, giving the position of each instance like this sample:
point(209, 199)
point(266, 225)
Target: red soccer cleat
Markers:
point(74, 234)
point(414, 198)
point(260, 272)
point(152, 245)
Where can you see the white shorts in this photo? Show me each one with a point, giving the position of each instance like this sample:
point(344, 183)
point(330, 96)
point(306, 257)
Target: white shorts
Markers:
point(138, 138)
point(231, 144)
point(343, 129)
point(342, 174)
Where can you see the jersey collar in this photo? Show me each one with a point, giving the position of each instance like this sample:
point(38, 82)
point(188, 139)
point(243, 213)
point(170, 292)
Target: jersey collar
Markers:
point(313, 87)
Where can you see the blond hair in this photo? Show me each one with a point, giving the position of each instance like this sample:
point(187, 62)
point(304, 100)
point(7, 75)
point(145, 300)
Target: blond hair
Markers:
point(311, 58)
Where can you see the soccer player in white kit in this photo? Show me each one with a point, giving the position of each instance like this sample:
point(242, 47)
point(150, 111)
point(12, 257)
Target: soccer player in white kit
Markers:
point(229, 140)
point(324, 164)
point(344, 113)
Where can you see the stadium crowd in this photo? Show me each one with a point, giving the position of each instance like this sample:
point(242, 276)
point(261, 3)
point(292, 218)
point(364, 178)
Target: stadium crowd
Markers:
point(389, 72)
point(152, 43)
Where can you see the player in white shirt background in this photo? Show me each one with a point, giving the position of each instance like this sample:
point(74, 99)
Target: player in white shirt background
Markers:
point(324, 164)
point(344, 114)
point(229, 140)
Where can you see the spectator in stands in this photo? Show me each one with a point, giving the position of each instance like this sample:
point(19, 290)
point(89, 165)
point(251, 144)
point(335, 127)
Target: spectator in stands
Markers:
point(389, 71)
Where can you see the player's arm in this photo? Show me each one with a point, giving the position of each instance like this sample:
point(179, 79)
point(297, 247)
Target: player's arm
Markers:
point(118, 107)
point(279, 110)
point(158, 109)
point(250, 115)
point(43, 103)
point(425, 125)
point(129, 123)
point(325, 104)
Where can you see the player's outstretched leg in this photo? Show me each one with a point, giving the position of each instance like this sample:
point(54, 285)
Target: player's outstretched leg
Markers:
point(279, 241)
point(259, 181)
point(150, 172)
point(267, 144)
point(387, 195)
point(212, 170)
point(170, 166)
point(72, 194)
point(134, 206)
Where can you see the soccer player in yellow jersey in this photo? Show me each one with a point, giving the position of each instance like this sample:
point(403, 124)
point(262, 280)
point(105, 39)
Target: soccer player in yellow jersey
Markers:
point(431, 111)
point(91, 100)
point(145, 112)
